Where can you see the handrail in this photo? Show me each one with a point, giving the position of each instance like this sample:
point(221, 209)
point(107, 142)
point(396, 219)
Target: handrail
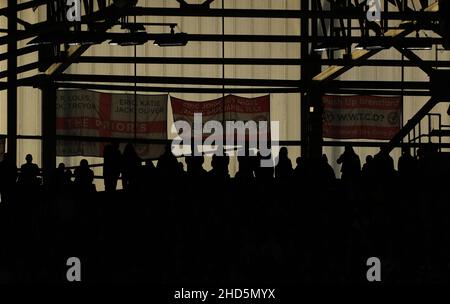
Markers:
point(428, 134)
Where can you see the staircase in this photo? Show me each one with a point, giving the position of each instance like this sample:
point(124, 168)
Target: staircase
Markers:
point(429, 130)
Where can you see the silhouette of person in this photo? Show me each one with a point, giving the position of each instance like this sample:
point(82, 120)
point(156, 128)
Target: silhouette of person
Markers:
point(68, 178)
point(61, 177)
point(245, 170)
point(351, 164)
point(407, 164)
point(219, 166)
point(300, 169)
point(29, 173)
point(148, 170)
point(383, 166)
point(180, 172)
point(195, 166)
point(112, 166)
point(264, 173)
point(367, 171)
point(8, 177)
point(167, 163)
point(64, 176)
point(131, 164)
point(283, 169)
point(84, 177)
point(326, 171)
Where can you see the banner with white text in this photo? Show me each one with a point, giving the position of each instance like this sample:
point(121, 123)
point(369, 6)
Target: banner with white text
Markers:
point(361, 117)
point(95, 114)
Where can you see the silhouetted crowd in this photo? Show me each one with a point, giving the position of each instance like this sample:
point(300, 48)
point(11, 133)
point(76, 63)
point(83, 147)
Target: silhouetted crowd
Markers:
point(281, 225)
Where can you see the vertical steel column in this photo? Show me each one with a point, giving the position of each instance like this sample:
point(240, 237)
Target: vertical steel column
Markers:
point(48, 119)
point(316, 121)
point(304, 107)
point(48, 130)
point(314, 68)
point(12, 81)
point(311, 122)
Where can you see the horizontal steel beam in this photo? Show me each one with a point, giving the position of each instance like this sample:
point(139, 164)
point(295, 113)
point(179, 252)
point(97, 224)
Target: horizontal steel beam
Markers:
point(188, 60)
point(425, 93)
point(22, 51)
point(376, 85)
point(384, 41)
point(132, 88)
point(21, 69)
point(229, 61)
point(32, 81)
point(178, 80)
point(246, 61)
point(106, 16)
point(24, 6)
point(392, 85)
point(276, 13)
point(408, 88)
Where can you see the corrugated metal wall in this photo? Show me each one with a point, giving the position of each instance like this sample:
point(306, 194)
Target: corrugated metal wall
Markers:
point(285, 107)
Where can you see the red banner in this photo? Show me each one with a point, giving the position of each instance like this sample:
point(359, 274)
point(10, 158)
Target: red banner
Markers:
point(361, 117)
point(94, 114)
point(233, 108)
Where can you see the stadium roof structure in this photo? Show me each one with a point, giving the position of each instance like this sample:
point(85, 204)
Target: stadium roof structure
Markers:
point(61, 43)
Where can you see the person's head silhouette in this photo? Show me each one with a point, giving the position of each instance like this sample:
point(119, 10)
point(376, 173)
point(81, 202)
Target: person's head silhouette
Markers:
point(349, 149)
point(84, 164)
point(283, 153)
point(29, 158)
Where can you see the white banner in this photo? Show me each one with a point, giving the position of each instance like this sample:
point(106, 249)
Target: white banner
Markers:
point(94, 114)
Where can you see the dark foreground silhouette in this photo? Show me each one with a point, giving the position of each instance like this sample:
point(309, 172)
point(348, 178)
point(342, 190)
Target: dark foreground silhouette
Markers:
point(173, 227)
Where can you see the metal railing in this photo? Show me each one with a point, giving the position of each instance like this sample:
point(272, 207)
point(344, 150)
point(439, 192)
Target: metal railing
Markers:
point(417, 135)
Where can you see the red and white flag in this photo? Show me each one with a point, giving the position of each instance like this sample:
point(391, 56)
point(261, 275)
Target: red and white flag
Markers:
point(361, 117)
point(94, 114)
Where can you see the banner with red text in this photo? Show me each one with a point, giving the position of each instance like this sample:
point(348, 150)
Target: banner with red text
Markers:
point(234, 108)
point(361, 117)
point(95, 114)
